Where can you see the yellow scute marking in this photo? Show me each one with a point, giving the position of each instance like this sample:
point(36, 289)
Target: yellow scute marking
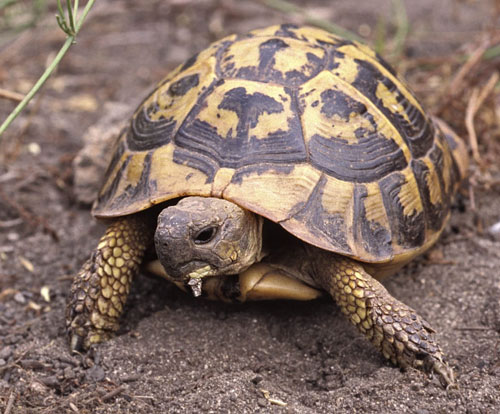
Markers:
point(273, 122)
point(337, 196)
point(389, 100)
point(245, 53)
point(317, 122)
point(296, 57)
point(409, 195)
point(266, 31)
point(135, 168)
point(205, 54)
point(366, 50)
point(221, 181)
point(374, 205)
point(112, 174)
point(175, 180)
point(432, 181)
point(242, 53)
point(169, 105)
point(226, 121)
point(314, 34)
point(357, 52)
point(447, 165)
point(347, 69)
point(272, 193)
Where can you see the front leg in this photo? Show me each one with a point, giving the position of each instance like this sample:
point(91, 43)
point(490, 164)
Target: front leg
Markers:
point(100, 289)
point(395, 329)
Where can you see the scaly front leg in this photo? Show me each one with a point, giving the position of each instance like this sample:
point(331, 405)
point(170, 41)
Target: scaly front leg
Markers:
point(100, 289)
point(395, 329)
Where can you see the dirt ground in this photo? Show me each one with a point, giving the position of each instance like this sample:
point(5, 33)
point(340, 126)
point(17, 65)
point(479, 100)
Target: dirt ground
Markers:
point(177, 354)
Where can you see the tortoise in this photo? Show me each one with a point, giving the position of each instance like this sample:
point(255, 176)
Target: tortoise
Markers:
point(281, 163)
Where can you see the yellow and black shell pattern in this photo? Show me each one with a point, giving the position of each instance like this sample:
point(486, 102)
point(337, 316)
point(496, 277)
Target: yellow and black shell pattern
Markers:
point(307, 129)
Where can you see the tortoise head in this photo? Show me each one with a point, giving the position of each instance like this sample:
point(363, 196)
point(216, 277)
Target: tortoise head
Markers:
point(200, 237)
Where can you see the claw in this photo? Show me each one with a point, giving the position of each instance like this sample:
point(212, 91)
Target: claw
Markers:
point(76, 343)
point(445, 374)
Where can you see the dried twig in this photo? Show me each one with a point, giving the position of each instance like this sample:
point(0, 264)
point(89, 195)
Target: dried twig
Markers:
point(113, 393)
point(10, 223)
point(476, 328)
point(10, 403)
point(12, 96)
point(275, 401)
point(27, 216)
point(457, 85)
point(476, 100)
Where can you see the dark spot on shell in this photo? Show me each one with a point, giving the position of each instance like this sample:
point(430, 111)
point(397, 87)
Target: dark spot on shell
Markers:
point(184, 85)
point(336, 102)
point(190, 62)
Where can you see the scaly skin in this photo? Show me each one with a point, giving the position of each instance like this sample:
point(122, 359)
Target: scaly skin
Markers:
point(395, 329)
point(100, 289)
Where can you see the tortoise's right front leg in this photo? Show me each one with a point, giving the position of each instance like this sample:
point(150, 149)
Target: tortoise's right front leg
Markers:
point(100, 289)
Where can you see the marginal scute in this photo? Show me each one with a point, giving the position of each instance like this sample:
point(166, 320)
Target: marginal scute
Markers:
point(311, 220)
point(370, 227)
point(430, 193)
point(407, 224)
point(307, 129)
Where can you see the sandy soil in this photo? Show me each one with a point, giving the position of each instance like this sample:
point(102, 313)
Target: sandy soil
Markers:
point(176, 354)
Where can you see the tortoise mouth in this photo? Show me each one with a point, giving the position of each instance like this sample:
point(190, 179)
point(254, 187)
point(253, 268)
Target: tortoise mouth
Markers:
point(194, 279)
point(196, 270)
point(183, 271)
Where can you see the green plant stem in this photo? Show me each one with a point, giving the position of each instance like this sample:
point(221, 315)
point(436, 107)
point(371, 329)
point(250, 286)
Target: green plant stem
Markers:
point(5, 3)
point(69, 41)
point(492, 52)
point(403, 27)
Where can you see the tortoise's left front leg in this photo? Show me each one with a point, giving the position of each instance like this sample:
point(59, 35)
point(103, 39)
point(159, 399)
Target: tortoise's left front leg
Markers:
point(100, 289)
point(399, 332)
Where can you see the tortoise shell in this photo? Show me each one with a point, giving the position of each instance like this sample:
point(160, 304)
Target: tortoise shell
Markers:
point(309, 130)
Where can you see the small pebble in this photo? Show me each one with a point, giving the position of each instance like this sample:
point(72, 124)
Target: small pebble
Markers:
point(19, 298)
point(495, 230)
point(6, 352)
point(50, 381)
point(69, 373)
point(95, 374)
point(38, 387)
point(32, 364)
point(2, 362)
point(34, 148)
point(262, 402)
point(12, 237)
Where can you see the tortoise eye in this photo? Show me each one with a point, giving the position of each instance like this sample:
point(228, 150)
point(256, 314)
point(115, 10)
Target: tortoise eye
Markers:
point(205, 235)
